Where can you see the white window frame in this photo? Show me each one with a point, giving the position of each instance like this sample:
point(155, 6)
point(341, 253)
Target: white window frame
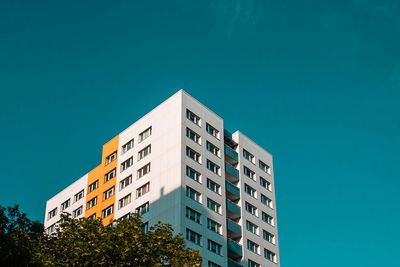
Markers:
point(145, 134)
point(125, 182)
point(109, 193)
point(127, 146)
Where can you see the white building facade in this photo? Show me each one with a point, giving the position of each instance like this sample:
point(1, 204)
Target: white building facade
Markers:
point(178, 165)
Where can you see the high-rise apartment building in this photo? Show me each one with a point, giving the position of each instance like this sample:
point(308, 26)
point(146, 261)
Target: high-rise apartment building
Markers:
point(178, 165)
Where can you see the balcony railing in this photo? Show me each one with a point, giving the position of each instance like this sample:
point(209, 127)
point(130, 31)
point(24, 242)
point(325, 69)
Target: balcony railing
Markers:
point(232, 173)
point(233, 210)
point(232, 191)
point(234, 249)
point(231, 153)
point(234, 228)
point(232, 263)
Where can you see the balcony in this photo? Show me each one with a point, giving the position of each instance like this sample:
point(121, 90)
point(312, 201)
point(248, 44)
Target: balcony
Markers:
point(231, 156)
point(228, 139)
point(232, 191)
point(232, 263)
point(234, 250)
point(232, 210)
point(234, 229)
point(232, 174)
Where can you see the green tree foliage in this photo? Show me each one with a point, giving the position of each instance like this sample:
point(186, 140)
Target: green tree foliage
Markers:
point(18, 237)
point(87, 242)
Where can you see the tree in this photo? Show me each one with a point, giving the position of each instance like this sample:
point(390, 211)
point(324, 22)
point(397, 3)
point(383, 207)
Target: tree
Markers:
point(87, 242)
point(18, 237)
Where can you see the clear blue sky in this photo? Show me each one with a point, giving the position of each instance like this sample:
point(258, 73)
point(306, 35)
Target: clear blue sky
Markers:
point(317, 83)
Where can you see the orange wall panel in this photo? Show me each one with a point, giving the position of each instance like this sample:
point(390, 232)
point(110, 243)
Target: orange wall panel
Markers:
point(99, 173)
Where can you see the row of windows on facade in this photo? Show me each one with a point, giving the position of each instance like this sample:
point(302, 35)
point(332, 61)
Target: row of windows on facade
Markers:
point(214, 132)
point(108, 176)
point(191, 153)
point(252, 175)
point(250, 157)
point(197, 139)
point(216, 248)
point(213, 186)
point(216, 207)
point(126, 181)
point(127, 146)
point(196, 216)
point(107, 194)
point(123, 201)
point(268, 255)
point(142, 209)
point(197, 120)
point(197, 157)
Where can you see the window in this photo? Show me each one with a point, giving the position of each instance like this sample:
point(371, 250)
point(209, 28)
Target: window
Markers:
point(213, 167)
point(251, 209)
point(213, 149)
point(211, 130)
point(193, 154)
point(253, 247)
point(52, 213)
point(124, 201)
point(143, 171)
point(142, 190)
point(269, 237)
point(194, 136)
point(268, 219)
point(213, 186)
point(269, 255)
point(93, 216)
point(214, 247)
point(51, 229)
point(266, 201)
point(193, 237)
point(193, 194)
point(125, 182)
point(78, 196)
point(193, 215)
point(126, 216)
point(253, 264)
point(212, 205)
point(250, 190)
point(93, 186)
point(91, 203)
point(143, 135)
point(252, 227)
point(193, 174)
point(109, 175)
point(126, 164)
point(145, 227)
point(143, 209)
point(264, 167)
point(108, 193)
point(108, 211)
point(77, 212)
point(264, 183)
point(144, 152)
point(193, 117)
point(214, 226)
point(249, 173)
point(127, 146)
point(212, 264)
point(111, 157)
point(65, 204)
point(247, 155)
